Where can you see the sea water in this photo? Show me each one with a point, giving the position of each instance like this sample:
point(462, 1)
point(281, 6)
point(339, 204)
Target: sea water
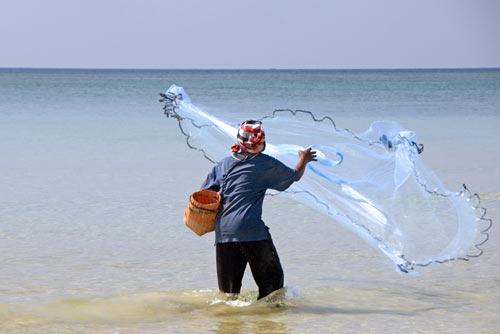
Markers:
point(94, 180)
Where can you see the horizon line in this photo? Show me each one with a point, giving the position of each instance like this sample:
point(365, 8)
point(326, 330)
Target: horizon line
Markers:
point(247, 69)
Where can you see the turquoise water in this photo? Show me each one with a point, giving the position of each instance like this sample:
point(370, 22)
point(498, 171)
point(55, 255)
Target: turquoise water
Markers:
point(94, 180)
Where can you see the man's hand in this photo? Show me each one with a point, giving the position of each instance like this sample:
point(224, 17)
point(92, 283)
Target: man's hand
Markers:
point(306, 156)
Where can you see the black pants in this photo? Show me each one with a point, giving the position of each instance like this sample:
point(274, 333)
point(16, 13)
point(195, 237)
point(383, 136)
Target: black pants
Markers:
point(232, 259)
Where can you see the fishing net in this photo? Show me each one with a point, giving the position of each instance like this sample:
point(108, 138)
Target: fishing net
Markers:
point(373, 183)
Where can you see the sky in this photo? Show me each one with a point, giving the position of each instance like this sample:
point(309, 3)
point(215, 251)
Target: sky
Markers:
point(256, 34)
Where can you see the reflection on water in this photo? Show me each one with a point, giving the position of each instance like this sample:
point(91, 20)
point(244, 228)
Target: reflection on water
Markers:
point(343, 307)
point(174, 308)
point(247, 324)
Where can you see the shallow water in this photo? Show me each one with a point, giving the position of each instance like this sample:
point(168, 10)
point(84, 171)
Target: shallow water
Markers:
point(94, 181)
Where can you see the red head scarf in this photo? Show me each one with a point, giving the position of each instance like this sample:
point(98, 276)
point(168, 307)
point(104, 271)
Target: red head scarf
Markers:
point(251, 138)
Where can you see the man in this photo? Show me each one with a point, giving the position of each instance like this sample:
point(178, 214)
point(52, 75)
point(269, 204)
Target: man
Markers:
point(241, 236)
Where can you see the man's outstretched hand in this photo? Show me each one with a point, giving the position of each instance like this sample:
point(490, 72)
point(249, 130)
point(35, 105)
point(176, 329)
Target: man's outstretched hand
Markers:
point(306, 156)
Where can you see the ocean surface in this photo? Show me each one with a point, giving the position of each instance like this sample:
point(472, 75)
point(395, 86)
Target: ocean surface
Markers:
point(94, 180)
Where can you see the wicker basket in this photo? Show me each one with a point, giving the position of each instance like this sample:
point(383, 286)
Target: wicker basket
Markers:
point(201, 211)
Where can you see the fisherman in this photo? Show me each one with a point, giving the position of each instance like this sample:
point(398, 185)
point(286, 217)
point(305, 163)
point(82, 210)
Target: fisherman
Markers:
point(241, 236)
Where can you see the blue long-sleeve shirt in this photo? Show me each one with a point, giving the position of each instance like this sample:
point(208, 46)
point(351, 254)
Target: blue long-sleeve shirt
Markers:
point(243, 191)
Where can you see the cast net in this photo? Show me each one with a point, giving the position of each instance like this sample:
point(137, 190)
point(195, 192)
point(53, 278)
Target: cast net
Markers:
point(374, 183)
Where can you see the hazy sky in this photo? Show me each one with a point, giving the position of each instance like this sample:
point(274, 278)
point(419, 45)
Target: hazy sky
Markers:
point(250, 34)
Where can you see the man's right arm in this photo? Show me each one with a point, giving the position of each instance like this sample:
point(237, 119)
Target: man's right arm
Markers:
point(306, 156)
